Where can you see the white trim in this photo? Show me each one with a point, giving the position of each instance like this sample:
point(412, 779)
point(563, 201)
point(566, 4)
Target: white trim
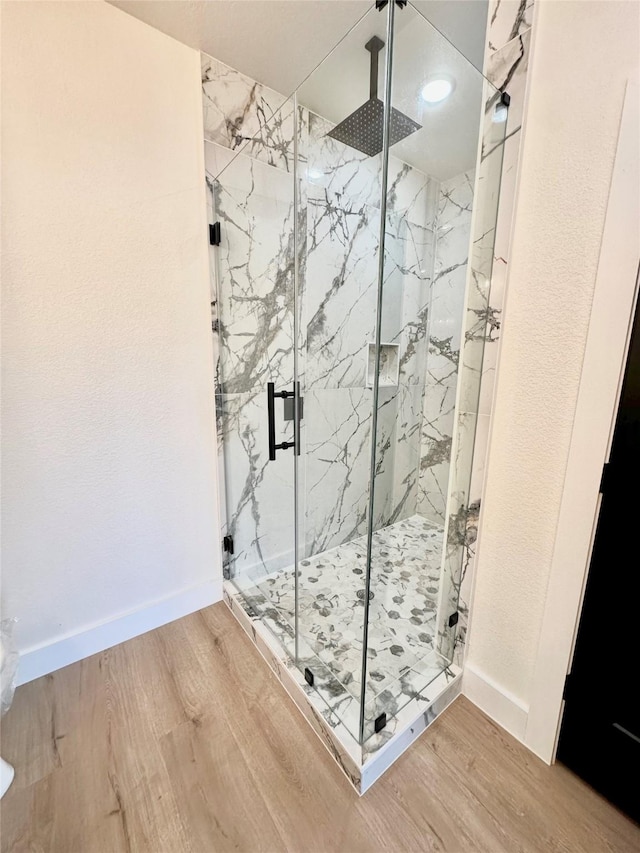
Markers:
point(43, 659)
point(499, 704)
point(603, 366)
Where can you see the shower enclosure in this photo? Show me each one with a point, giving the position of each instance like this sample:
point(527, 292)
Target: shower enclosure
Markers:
point(353, 226)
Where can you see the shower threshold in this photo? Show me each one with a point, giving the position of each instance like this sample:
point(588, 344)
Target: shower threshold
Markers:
point(407, 679)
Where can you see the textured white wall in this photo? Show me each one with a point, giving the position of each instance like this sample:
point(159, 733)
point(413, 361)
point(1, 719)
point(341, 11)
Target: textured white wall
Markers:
point(583, 55)
point(108, 437)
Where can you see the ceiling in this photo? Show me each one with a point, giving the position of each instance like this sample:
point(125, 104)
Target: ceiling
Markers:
point(280, 42)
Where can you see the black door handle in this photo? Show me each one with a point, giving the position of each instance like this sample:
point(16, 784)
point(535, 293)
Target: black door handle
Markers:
point(271, 414)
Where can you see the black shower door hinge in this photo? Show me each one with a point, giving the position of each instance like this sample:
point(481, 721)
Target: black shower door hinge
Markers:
point(215, 234)
point(227, 547)
point(380, 4)
point(453, 619)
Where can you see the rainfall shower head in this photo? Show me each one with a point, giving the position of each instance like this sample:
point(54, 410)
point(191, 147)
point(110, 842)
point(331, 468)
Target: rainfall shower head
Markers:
point(363, 128)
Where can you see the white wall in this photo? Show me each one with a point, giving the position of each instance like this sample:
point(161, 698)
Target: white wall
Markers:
point(109, 497)
point(582, 58)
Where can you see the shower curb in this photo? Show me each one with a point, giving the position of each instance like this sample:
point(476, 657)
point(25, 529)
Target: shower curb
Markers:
point(362, 764)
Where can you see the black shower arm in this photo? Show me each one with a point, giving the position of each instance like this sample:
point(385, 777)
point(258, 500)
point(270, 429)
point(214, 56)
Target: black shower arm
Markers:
point(374, 46)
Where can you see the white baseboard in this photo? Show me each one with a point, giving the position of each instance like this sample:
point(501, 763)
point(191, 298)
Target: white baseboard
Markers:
point(43, 659)
point(496, 702)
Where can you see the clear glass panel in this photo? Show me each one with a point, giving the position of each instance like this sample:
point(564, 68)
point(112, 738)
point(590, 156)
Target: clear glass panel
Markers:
point(433, 315)
point(338, 238)
point(252, 195)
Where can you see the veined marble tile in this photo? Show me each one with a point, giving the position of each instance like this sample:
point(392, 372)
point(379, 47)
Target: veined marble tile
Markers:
point(452, 244)
point(481, 323)
point(455, 201)
point(259, 493)
point(340, 170)
point(459, 519)
point(406, 463)
point(406, 293)
point(491, 345)
point(489, 175)
point(242, 114)
point(411, 194)
point(337, 425)
point(448, 288)
point(507, 69)
point(473, 515)
point(508, 19)
point(384, 471)
point(480, 327)
point(340, 291)
point(343, 170)
point(446, 323)
point(254, 205)
point(435, 450)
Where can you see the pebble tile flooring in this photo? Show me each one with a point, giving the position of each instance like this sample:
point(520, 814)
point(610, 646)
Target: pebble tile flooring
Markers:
point(401, 661)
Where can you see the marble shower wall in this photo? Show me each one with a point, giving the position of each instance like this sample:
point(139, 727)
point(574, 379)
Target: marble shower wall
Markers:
point(252, 321)
point(509, 36)
point(252, 316)
point(452, 239)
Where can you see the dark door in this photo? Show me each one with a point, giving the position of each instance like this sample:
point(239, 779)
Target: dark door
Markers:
point(600, 733)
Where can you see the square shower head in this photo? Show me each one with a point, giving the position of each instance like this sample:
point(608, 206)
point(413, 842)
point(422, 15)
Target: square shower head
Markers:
point(363, 128)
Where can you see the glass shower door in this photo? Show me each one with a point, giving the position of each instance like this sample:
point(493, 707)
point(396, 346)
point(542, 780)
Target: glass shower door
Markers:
point(252, 197)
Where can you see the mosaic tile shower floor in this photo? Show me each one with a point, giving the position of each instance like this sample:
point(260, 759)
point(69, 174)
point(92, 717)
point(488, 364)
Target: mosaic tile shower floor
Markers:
point(402, 661)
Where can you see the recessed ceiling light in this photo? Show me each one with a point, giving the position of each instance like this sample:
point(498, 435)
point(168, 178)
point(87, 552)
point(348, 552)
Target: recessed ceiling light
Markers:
point(437, 89)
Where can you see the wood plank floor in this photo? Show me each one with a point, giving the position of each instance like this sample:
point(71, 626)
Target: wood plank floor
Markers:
point(182, 740)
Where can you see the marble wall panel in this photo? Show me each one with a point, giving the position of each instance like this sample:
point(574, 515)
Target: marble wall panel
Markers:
point(438, 413)
point(255, 271)
point(507, 69)
point(259, 493)
point(456, 533)
point(340, 292)
point(409, 251)
point(337, 458)
point(241, 114)
point(451, 248)
point(408, 420)
point(507, 20)
point(506, 66)
point(340, 169)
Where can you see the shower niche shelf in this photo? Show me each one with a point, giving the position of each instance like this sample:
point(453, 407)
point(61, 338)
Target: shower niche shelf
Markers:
point(389, 365)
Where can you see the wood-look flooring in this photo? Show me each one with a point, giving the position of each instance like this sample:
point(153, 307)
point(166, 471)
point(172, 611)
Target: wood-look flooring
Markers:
point(183, 740)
